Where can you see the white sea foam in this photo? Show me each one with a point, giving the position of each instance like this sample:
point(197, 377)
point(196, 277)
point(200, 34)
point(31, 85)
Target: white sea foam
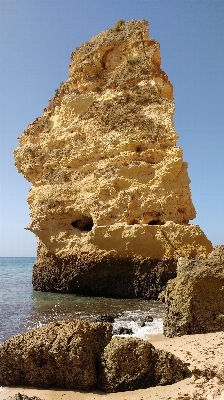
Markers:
point(23, 309)
point(134, 321)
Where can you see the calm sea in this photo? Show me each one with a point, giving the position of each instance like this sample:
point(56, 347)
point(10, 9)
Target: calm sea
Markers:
point(21, 308)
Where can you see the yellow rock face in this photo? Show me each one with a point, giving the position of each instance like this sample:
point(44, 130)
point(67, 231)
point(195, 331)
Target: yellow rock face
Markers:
point(107, 175)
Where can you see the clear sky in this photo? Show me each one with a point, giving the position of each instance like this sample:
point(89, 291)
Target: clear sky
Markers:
point(37, 38)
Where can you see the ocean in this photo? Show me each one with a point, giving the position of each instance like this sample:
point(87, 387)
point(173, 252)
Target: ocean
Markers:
point(22, 308)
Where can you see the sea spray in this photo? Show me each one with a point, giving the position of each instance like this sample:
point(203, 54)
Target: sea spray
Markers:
point(21, 308)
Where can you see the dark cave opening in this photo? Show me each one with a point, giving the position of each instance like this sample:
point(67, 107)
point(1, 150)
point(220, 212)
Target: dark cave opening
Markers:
point(154, 222)
point(84, 223)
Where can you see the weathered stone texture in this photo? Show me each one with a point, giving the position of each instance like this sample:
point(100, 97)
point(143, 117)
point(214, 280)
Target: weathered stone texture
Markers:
point(81, 355)
point(130, 364)
point(62, 354)
point(195, 298)
point(109, 181)
point(102, 276)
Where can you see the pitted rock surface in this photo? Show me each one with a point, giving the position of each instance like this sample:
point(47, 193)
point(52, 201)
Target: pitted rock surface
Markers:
point(195, 298)
point(132, 363)
point(109, 184)
point(82, 356)
point(61, 354)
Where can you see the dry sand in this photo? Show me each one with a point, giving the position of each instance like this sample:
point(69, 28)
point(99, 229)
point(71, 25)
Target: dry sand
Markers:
point(204, 353)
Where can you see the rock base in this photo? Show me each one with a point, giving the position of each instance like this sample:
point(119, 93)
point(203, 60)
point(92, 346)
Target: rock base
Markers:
point(113, 277)
point(118, 261)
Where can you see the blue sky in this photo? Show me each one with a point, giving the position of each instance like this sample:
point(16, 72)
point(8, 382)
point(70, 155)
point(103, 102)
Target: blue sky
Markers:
point(37, 38)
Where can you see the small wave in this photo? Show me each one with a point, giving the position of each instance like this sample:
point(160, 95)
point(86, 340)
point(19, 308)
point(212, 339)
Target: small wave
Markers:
point(137, 322)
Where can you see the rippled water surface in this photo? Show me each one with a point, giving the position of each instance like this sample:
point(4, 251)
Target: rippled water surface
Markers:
point(21, 308)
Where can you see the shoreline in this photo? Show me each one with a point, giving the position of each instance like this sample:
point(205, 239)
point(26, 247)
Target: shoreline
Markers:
point(204, 354)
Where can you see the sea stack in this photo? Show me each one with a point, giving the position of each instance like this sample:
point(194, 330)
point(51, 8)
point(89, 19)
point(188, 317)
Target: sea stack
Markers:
point(110, 199)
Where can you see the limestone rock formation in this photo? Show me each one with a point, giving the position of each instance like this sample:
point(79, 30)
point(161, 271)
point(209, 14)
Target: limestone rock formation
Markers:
point(62, 354)
point(81, 355)
point(195, 298)
point(110, 196)
point(132, 363)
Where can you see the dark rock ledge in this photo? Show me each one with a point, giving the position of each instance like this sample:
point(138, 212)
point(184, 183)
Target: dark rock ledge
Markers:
point(112, 277)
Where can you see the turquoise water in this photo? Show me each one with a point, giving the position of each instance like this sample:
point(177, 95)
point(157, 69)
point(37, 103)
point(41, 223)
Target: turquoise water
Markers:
point(21, 308)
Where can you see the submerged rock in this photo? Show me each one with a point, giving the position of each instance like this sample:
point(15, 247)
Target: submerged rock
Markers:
point(148, 319)
point(110, 202)
point(130, 364)
point(195, 298)
point(123, 331)
point(62, 354)
point(105, 318)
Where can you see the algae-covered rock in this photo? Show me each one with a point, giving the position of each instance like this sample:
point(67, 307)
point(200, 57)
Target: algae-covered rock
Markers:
point(82, 355)
point(132, 363)
point(195, 298)
point(62, 354)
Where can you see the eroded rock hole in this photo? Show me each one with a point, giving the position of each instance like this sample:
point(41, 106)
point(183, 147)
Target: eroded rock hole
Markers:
point(154, 222)
point(107, 61)
point(84, 223)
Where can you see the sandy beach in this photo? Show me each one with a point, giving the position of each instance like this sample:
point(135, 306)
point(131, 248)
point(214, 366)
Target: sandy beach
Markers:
point(203, 353)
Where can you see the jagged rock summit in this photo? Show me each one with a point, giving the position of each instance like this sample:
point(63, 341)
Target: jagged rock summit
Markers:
point(110, 199)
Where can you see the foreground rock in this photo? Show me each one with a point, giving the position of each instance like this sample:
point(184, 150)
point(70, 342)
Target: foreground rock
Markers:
point(203, 353)
point(195, 299)
point(110, 202)
point(62, 354)
point(20, 396)
point(81, 355)
point(130, 364)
